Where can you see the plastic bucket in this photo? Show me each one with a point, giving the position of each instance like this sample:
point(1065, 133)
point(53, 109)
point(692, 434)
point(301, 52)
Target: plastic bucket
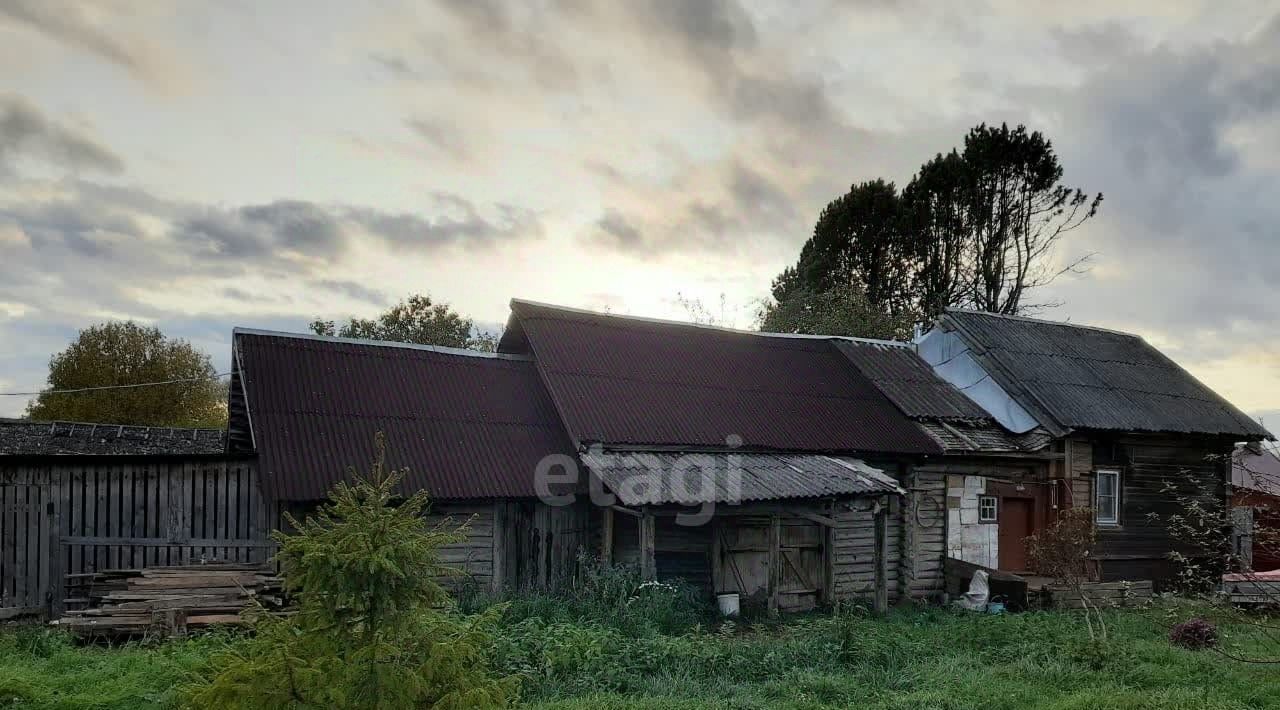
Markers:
point(728, 604)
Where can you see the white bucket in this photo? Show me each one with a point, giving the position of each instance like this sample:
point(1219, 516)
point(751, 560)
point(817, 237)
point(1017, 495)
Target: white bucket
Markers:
point(728, 604)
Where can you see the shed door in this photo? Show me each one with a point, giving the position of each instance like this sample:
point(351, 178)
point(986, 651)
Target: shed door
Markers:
point(1015, 525)
point(744, 559)
point(24, 555)
point(801, 558)
point(745, 554)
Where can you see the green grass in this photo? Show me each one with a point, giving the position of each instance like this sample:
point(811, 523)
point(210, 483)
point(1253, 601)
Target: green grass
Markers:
point(913, 659)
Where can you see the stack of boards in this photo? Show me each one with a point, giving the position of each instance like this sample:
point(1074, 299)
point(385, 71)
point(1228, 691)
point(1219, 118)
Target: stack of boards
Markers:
point(168, 600)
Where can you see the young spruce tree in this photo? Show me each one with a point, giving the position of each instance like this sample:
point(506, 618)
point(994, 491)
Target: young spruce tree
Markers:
point(369, 631)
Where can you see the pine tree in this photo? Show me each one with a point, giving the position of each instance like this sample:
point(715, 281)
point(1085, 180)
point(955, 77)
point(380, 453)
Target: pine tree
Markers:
point(370, 629)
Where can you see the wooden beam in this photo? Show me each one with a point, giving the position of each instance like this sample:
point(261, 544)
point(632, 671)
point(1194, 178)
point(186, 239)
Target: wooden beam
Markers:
point(498, 569)
point(775, 560)
point(606, 537)
point(829, 561)
point(648, 564)
point(626, 511)
point(819, 519)
point(881, 599)
point(907, 544)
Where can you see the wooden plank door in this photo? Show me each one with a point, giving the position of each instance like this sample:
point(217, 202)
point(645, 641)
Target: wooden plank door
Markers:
point(744, 559)
point(24, 539)
point(1016, 522)
point(802, 565)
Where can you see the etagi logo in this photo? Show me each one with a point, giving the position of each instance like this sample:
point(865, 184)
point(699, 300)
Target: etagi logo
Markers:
point(701, 479)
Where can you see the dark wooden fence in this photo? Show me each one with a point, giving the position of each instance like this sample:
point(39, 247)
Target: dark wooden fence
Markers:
point(81, 515)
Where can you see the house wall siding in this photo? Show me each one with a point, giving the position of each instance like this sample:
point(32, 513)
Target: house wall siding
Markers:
point(1160, 476)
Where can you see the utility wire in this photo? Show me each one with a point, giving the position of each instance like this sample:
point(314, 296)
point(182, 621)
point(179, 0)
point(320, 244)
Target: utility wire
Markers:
point(217, 376)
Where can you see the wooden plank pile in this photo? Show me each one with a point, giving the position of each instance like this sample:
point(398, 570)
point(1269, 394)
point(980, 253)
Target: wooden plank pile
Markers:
point(168, 600)
point(1101, 594)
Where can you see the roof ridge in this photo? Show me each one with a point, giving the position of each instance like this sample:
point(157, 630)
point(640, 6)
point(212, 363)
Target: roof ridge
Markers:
point(149, 427)
point(1041, 321)
point(441, 349)
point(704, 326)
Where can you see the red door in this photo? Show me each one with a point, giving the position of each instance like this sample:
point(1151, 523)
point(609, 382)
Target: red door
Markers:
point(1015, 525)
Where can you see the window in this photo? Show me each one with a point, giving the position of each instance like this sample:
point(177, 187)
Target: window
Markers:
point(986, 509)
point(1107, 497)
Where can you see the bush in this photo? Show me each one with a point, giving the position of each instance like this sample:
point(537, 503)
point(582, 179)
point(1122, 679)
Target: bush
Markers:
point(615, 596)
point(1194, 634)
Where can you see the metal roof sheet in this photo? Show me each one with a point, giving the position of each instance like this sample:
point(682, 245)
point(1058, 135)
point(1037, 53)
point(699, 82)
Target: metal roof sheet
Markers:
point(639, 382)
point(1091, 378)
point(655, 478)
point(909, 382)
point(465, 424)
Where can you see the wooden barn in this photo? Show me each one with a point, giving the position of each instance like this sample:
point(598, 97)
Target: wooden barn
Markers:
point(1134, 436)
point(78, 498)
point(792, 453)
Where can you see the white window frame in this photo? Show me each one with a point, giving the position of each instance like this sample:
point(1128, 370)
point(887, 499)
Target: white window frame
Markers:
point(995, 509)
point(1114, 519)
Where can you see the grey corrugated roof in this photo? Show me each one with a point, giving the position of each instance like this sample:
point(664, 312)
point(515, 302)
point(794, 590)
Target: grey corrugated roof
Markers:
point(1090, 378)
point(909, 382)
point(23, 437)
point(984, 437)
point(652, 478)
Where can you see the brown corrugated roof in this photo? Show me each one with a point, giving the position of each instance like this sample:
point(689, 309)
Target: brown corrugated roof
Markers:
point(468, 425)
point(636, 382)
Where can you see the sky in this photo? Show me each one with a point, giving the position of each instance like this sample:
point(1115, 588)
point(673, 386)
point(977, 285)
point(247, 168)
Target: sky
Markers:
point(201, 166)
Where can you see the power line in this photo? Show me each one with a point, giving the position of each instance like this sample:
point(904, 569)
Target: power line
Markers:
point(217, 376)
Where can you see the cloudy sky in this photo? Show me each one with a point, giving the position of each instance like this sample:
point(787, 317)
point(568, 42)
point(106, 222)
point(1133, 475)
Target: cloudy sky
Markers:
point(205, 165)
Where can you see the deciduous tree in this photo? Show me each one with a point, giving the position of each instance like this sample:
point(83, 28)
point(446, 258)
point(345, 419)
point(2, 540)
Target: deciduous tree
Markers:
point(416, 319)
point(119, 356)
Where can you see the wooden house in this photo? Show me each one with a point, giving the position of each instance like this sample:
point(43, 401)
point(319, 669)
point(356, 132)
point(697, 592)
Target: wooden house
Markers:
point(1134, 436)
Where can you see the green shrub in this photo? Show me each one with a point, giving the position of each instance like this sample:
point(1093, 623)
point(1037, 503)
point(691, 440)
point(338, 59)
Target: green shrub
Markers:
point(617, 597)
point(366, 633)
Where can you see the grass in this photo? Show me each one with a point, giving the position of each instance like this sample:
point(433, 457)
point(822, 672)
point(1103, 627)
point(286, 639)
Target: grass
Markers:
point(912, 659)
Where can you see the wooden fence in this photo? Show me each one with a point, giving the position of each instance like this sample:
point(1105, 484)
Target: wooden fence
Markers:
point(82, 515)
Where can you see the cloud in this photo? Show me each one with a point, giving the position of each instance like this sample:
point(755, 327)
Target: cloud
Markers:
point(85, 26)
point(441, 135)
point(617, 232)
point(353, 290)
point(26, 132)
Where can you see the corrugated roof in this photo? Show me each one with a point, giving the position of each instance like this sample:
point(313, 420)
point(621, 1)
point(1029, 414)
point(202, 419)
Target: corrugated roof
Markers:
point(1256, 468)
point(648, 478)
point(23, 437)
point(467, 425)
point(984, 437)
point(956, 422)
point(1090, 378)
point(638, 382)
point(909, 382)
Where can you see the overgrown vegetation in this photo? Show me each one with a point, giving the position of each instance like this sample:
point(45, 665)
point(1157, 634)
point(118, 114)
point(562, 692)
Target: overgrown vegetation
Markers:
point(1064, 551)
point(910, 659)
